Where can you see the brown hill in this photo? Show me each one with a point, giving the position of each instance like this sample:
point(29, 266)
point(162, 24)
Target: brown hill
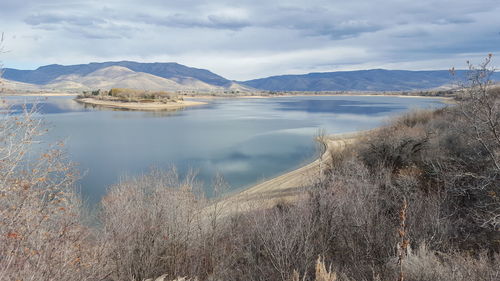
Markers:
point(122, 77)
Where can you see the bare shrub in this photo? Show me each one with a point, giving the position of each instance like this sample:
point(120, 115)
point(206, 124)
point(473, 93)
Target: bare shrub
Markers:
point(434, 161)
point(1, 51)
point(394, 147)
point(342, 220)
point(41, 235)
point(425, 264)
point(480, 109)
point(355, 223)
point(443, 156)
point(132, 95)
point(429, 179)
point(322, 273)
point(284, 235)
point(149, 225)
point(164, 278)
point(480, 106)
point(268, 244)
point(158, 224)
point(416, 118)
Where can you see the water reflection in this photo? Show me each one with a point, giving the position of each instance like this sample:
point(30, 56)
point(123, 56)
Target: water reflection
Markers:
point(156, 113)
point(338, 106)
point(246, 140)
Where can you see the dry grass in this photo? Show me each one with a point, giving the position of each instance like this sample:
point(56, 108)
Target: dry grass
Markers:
point(426, 264)
point(158, 223)
point(428, 181)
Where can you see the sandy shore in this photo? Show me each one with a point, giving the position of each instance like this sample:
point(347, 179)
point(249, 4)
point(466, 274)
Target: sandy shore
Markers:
point(150, 106)
point(288, 186)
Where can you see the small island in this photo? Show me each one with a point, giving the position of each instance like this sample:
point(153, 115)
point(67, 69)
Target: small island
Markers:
point(131, 99)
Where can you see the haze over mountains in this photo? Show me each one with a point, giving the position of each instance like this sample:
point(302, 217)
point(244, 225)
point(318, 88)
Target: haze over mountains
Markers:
point(177, 77)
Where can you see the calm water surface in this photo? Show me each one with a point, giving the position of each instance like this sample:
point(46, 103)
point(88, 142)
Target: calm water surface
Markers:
point(247, 140)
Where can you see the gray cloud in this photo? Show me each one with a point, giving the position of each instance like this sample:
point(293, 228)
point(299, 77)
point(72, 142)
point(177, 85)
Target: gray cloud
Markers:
point(80, 25)
point(445, 21)
point(224, 21)
point(310, 22)
point(54, 19)
point(250, 39)
point(188, 21)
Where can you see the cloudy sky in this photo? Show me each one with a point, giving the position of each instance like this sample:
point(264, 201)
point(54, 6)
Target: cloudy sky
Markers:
point(252, 38)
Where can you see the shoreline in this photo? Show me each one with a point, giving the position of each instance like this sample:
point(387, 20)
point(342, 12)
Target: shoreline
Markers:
point(288, 186)
point(49, 94)
point(153, 106)
point(345, 95)
point(209, 97)
point(249, 95)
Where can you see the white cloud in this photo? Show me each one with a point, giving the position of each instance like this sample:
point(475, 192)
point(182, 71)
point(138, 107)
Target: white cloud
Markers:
point(251, 39)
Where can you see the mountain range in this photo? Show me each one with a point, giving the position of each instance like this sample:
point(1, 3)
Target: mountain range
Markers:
point(363, 80)
point(123, 74)
point(177, 77)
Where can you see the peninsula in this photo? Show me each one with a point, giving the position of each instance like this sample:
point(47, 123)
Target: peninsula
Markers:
point(130, 99)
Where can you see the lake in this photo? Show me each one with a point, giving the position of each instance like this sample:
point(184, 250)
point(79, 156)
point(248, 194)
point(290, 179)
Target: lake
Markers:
point(246, 140)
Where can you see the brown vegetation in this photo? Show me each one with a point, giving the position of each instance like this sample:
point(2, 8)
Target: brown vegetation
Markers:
point(132, 95)
point(41, 231)
point(415, 200)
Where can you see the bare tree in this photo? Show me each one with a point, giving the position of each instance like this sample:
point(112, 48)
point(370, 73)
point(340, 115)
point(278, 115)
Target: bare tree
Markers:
point(150, 225)
point(480, 105)
point(41, 235)
point(1, 51)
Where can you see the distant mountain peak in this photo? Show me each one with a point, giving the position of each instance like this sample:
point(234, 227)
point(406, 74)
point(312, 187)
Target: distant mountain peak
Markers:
point(177, 76)
point(45, 74)
point(114, 71)
point(125, 74)
point(360, 80)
